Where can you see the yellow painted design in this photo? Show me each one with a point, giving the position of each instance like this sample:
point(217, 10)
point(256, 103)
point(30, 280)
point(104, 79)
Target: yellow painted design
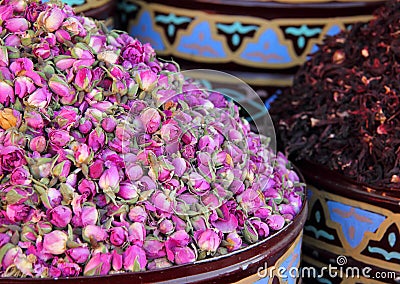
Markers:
point(346, 249)
point(91, 4)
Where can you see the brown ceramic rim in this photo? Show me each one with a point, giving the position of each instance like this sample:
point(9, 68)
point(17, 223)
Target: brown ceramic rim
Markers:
point(331, 181)
point(272, 10)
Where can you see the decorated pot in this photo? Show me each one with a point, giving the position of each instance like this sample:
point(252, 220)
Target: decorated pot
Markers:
point(98, 9)
point(351, 226)
point(262, 42)
point(256, 263)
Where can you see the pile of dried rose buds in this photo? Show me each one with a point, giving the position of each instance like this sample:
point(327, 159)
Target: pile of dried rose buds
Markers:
point(111, 162)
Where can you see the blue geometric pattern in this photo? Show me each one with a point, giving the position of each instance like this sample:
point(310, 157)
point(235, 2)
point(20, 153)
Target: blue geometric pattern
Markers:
point(200, 43)
point(355, 222)
point(145, 32)
point(267, 49)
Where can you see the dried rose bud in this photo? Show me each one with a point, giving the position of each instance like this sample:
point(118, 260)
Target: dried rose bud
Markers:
point(166, 227)
point(90, 215)
point(14, 25)
point(93, 232)
point(184, 255)
point(99, 264)
point(234, 241)
point(62, 170)
point(198, 184)
point(96, 139)
point(59, 138)
point(38, 144)
point(82, 153)
point(51, 19)
point(110, 179)
point(137, 233)
point(137, 214)
point(6, 93)
point(60, 216)
point(20, 176)
point(151, 120)
point(39, 98)
point(134, 258)
point(116, 261)
point(208, 240)
point(55, 242)
point(117, 236)
point(128, 191)
point(275, 222)
point(96, 169)
point(11, 157)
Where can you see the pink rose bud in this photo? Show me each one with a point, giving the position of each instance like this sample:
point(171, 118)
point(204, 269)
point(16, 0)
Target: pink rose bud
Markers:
point(6, 93)
point(179, 223)
point(60, 87)
point(18, 213)
point(184, 255)
point(60, 216)
point(42, 50)
point(16, 25)
point(10, 255)
point(154, 249)
point(261, 227)
point(69, 269)
point(83, 79)
point(166, 227)
point(59, 138)
point(208, 240)
point(62, 36)
point(180, 166)
point(40, 98)
point(137, 233)
point(11, 157)
point(62, 170)
point(90, 215)
point(12, 40)
point(96, 139)
point(82, 153)
point(79, 254)
point(134, 172)
point(34, 120)
point(128, 191)
point(94, 232)
point(137, 214)
point(188, 152)
point(51, 19)
point(275, 222)
point(67, 117)
point(147, 79)
point(55, 242)
point(4, 57)
point(170, 131)
point(117, 236)
point(151, 120)
point(110, 179)
point(234, 241)
point(116, 261)
point(23, 86)
point(109, 124)
point(20, 176)
point(134, 258)
point(85, 126)
point(207, 144)
point(96, 169)
point(87, 187)
point(38, 144)
point(54, 196)
point(198, 183)
point(99, 264)
point(6, 12)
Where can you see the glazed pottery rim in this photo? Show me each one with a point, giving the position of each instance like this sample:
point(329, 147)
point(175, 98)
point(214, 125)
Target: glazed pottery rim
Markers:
point(287, 4)
point(296, 220)
point(323, 173)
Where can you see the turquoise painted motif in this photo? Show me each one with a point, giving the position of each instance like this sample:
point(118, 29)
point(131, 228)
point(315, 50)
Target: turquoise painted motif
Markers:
point(172, 22)
point(301, 33)
point(145, 32)
point(235, 32)
point(267, 49)
point(387, 255)
point(201, 43)
point(355, 222)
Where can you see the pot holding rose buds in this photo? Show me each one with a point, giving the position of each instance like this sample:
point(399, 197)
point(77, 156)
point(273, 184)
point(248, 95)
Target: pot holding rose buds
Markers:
point(115, 167)
point(341, 123)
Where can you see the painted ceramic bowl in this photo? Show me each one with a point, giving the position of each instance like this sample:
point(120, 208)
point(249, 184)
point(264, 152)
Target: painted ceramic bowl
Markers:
point(253, 264)
point(351, 225)
point(262, 42)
